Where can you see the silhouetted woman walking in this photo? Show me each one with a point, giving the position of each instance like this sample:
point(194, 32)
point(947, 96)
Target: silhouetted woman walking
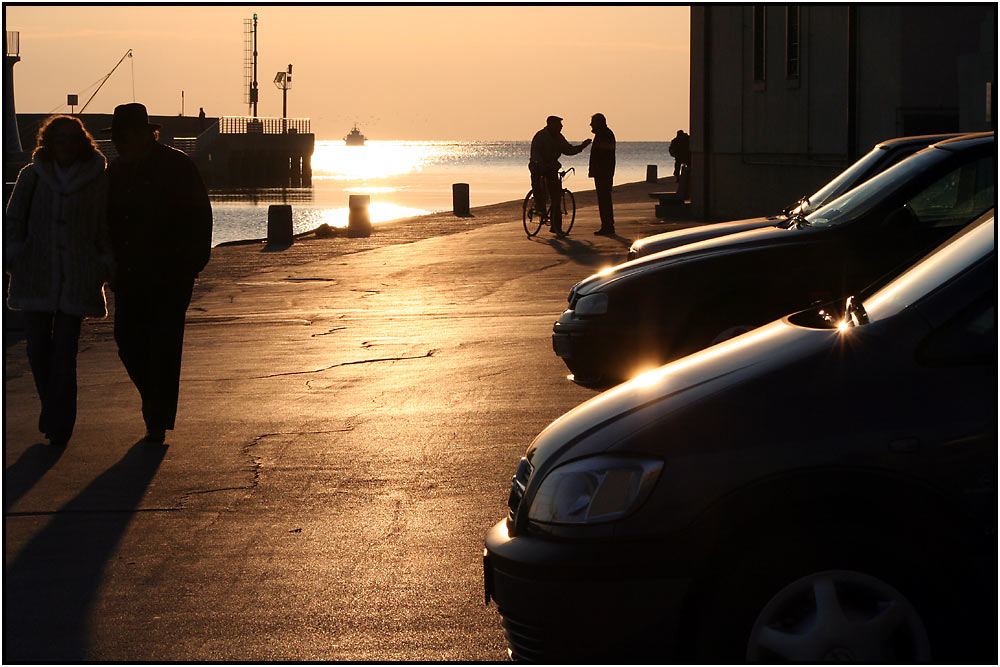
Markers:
point(58, 255)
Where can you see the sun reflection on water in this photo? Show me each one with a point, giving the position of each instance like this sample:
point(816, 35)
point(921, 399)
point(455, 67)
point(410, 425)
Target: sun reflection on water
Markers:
point(370, 190)
point(376, 159)
point(338, 217)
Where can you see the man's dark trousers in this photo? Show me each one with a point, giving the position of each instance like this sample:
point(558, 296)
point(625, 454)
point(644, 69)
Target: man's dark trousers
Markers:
point(603, 186)
point(149, 330)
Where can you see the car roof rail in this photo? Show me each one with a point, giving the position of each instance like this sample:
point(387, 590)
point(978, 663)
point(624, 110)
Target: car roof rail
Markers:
point(926, 139)
point(980, 137)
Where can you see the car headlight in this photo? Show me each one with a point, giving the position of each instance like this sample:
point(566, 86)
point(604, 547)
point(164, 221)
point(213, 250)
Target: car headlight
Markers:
point(594, 490)
point(592, 304)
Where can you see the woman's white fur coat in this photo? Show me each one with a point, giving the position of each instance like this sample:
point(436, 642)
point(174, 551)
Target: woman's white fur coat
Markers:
point(56, 244)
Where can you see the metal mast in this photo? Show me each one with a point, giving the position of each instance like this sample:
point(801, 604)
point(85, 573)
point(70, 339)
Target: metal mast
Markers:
point(283, 81)
point(250, 64)
point(255, 66)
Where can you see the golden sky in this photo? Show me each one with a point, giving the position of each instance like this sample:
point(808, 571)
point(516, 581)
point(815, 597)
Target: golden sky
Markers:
point(411, 72)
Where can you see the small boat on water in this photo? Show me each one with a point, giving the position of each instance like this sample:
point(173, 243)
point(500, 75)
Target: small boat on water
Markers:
point(354, 137)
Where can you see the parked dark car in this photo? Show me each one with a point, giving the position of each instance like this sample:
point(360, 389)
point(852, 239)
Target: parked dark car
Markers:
point(819, 489)
point(643, 313)
point(884, 155)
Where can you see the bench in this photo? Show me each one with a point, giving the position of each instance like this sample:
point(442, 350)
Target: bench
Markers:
point(666, 197)
point(669, 202)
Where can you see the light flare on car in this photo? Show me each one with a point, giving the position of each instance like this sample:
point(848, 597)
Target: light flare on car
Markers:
point(731, 346)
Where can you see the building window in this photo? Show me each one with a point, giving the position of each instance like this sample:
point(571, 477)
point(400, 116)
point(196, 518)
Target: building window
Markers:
point(759, 37)
point(792, 25)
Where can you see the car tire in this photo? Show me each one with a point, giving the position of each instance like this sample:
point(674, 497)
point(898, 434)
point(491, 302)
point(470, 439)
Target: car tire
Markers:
point(586, 374)
point(838, 616)
point(837, 596)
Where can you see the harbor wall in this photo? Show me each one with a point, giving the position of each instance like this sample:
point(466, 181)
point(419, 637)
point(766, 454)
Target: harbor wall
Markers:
point(172, 126)
point(227, 159)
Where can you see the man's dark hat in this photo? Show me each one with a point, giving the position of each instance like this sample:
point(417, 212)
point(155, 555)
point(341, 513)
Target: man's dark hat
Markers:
point(552, 118)
point(128, 116)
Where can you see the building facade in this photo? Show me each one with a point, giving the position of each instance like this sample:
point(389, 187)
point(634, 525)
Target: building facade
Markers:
point(785, 97)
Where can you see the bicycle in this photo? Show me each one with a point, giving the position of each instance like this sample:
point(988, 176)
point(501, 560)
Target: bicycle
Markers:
point(533, 221)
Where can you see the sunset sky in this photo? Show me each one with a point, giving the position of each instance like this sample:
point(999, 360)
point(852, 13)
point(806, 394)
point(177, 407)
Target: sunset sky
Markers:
point(434, 73)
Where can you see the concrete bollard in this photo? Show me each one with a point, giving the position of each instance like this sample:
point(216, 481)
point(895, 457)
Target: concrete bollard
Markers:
point(358, 222)
point(651, 173)
point(279, 224)
point(460, 199)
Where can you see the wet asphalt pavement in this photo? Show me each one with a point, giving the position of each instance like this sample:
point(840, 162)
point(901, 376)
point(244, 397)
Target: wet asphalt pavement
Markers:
point(347, 431)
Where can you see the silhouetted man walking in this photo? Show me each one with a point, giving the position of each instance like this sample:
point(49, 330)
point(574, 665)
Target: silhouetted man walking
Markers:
point(161, 233)
point(546, 147)
point(602, 170)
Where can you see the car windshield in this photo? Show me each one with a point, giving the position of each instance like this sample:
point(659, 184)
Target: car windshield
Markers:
point(961, 252)
point(839, 185)
point(872, 192)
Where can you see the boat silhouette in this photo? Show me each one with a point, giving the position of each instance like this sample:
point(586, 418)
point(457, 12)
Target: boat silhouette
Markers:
point(354, 137)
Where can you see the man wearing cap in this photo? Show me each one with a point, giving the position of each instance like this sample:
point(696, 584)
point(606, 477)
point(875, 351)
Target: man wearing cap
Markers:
point(161, 233)
point(546, 147)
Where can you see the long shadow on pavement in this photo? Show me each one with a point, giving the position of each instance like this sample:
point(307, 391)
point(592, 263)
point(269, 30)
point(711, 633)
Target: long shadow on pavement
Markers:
point(30, 467)
point(621, 240)
point(579, 251)
point(51, 585)
point(583, 252)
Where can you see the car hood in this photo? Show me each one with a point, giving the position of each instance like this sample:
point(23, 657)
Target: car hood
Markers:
point(676, 385)
point(668, 240)
point(744, 241)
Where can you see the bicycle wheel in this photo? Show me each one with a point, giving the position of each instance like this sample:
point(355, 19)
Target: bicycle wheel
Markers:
point(569, 210)
point(529, 216)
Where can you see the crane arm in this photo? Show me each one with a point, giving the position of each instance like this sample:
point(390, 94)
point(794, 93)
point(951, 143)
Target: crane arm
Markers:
point(128, 54)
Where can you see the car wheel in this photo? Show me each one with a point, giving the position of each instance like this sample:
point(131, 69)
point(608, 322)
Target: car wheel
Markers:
point(586, 374)
point(829, 596)
point(838, 616)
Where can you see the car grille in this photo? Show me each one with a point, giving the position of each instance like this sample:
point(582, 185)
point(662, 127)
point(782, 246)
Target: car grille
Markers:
point(525, 641)
point(517, 486)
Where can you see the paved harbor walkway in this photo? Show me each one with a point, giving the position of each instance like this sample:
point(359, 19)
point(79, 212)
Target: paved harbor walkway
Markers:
point(348, 426)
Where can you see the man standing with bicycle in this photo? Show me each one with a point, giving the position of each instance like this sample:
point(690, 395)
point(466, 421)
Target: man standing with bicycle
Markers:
point(547, 146)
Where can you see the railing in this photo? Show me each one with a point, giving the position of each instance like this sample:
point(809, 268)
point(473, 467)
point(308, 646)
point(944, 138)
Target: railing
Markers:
point(187, 144)
point(107, 147)
point(13, 43)
point(259, 125)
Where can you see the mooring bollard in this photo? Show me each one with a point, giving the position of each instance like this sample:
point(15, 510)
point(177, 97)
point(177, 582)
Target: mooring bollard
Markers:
point(651, 173)
point(279, 224)
point(358, 221)
point(460, 199)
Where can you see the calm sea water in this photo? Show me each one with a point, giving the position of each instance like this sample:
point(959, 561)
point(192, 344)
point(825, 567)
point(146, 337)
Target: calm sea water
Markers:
point(407, 178)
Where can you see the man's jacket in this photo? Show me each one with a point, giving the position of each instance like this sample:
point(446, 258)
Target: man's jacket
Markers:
point(546, 148)
point(160, 217)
